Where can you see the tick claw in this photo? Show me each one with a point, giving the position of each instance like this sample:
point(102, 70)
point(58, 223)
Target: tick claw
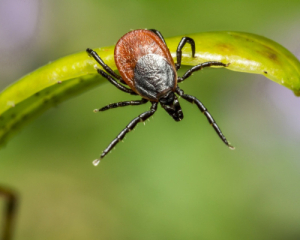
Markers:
point(96, 162)
point(231, 147)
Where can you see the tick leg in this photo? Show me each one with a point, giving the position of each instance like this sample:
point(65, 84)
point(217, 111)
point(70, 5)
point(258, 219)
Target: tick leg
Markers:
point(200, 67)
point(158, 34)
point(204, 110)
point(141, 118)
point(183, 41)
point(10, 210)
point(122, 104)
point(115, 83)
point(93, 54)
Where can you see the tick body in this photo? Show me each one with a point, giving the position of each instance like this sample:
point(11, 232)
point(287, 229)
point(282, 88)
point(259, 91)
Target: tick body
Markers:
point(145, 64)
point(147, 69)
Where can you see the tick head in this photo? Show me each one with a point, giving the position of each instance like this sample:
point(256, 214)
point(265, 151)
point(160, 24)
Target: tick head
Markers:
point(171, 104)
point(167, 99)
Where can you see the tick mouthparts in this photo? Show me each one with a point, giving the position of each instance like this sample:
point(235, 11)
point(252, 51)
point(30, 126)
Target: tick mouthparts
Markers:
point(96, 162)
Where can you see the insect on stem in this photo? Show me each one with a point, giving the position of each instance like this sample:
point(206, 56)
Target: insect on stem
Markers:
point(147, 69)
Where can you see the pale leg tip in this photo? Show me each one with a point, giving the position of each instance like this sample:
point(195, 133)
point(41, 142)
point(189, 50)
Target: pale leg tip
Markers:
point(231, 147)
point(96, 162)
point(96, 110)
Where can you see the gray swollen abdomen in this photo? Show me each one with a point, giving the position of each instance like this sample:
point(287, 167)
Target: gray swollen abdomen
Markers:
point(153, 76)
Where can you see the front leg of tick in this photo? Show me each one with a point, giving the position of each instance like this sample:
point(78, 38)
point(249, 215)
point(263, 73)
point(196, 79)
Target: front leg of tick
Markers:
point(204, 110)
point(141, 118)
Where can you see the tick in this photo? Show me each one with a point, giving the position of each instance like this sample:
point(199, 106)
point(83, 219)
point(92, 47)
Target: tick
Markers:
point(148, 70)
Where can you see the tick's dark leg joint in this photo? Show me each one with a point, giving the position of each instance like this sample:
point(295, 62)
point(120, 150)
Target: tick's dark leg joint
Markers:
point(93, 54)
point(122, 104)
point(115, 83)
point(181, 44)
point(204, 110)
point(10, 211)
point(141, 118)
point(200, 67)
point(158, 34)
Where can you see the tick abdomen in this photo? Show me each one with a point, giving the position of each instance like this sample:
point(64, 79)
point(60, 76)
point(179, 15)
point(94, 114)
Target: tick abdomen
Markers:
point(154, 76)
point(136, 45)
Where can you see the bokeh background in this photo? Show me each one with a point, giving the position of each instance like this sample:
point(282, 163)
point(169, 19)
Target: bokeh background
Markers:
point(168, 180)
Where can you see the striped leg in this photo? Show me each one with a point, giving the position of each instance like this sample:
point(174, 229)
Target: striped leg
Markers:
point(93, 54)
point(122, 104)
point(200, 67)
point(141, 118)
point(183, 41)
point(204, 110)
point(158, 34)
point(115, 83)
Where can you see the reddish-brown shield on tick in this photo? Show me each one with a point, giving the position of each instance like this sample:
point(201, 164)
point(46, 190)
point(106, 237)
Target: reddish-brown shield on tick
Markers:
point(147, 69)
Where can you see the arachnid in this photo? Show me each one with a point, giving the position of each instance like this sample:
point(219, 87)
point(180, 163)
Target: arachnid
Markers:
point(147, 68)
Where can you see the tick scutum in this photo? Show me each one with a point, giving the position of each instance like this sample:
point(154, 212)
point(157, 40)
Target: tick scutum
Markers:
point(154, 77)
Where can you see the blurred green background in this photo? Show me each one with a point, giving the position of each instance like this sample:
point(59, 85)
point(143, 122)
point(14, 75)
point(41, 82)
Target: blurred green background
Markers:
point(168, 180)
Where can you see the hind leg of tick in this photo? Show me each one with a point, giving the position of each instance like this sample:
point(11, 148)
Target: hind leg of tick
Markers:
point(95, 55)
point(200, 67)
